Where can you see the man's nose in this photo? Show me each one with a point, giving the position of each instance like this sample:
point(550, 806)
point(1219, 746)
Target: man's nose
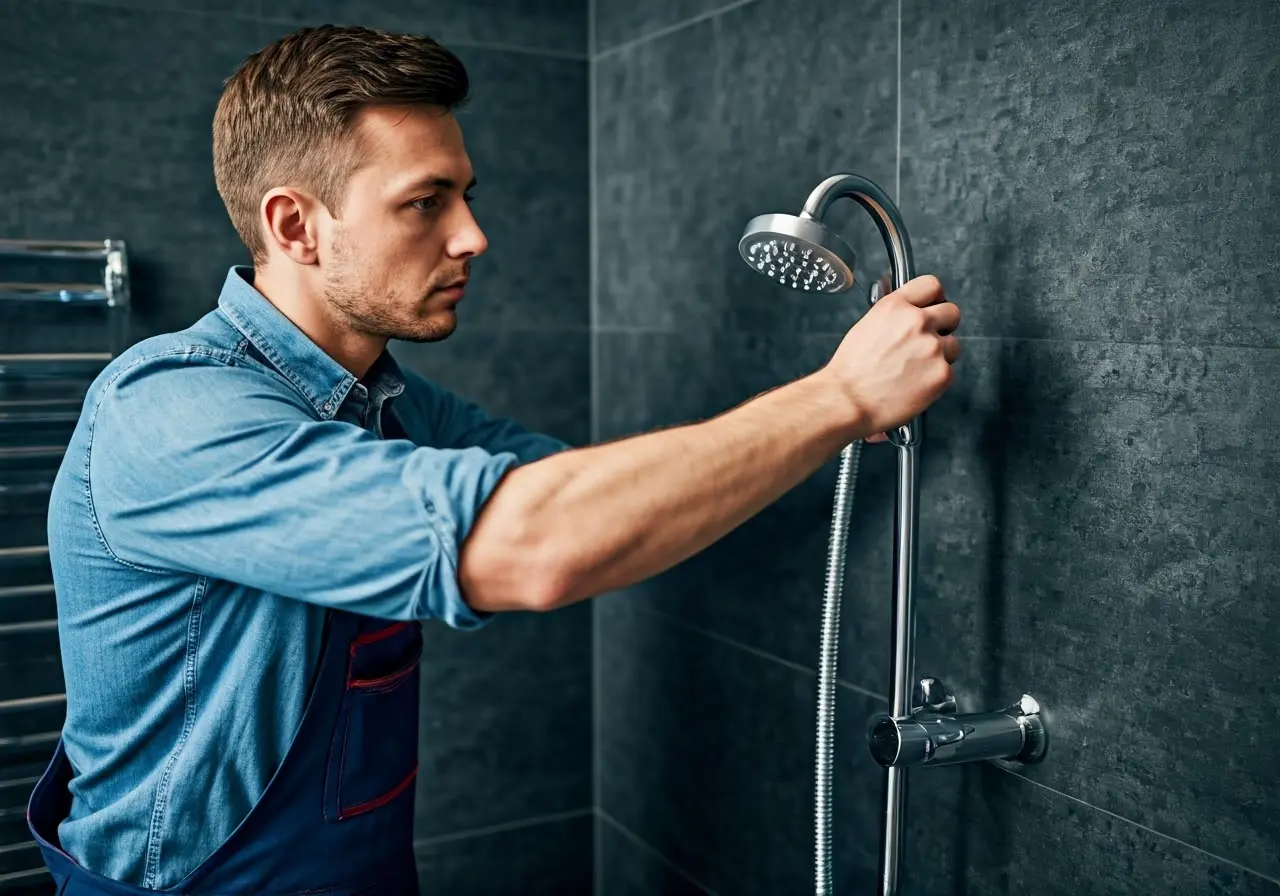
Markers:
point(468, 240)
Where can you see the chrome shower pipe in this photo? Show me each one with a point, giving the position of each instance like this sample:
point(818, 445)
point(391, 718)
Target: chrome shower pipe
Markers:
point(906, 439)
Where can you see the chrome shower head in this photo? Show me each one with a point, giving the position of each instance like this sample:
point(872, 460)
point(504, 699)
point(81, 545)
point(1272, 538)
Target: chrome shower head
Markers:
point(801, 252)
point(798, 251)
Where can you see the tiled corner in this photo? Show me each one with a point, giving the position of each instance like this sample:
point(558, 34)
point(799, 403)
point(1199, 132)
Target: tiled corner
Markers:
point(632, 868)
point(1097, 169)
point(548, 858)
point(732, 117)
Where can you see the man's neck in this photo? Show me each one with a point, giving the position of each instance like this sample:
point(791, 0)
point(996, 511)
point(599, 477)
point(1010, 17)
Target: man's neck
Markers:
point(296, 300)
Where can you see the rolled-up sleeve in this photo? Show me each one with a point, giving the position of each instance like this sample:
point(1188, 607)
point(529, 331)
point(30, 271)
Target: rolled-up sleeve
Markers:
point(253, 489)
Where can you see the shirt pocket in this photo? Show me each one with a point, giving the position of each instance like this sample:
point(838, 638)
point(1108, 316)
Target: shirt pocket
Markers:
point(373, 757)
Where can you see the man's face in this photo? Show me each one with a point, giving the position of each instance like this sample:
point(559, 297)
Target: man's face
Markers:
point(406, 236)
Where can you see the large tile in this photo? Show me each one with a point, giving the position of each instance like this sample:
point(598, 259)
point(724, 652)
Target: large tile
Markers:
point(1097, 169)
point(539, 378)
point(994, 834)
point(1100, 531)
point(548, 859)
point(631, 868)
point(708, 757)
point(546, 25)
point(527, 134)
point(107, 135)
point(707, 127)
point(505, 729)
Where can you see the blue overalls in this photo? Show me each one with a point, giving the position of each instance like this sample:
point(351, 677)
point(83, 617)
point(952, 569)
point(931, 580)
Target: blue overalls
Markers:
point(337, 816)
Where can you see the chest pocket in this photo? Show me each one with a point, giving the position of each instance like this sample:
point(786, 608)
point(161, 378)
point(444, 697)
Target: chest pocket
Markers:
point(373, 755)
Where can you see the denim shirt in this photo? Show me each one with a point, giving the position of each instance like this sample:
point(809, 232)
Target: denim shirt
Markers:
point(224, 486)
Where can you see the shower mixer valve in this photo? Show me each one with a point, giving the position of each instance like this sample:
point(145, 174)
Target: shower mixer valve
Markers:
point(936, 734)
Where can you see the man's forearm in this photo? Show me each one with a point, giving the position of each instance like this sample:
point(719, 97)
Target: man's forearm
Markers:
point(585, 522)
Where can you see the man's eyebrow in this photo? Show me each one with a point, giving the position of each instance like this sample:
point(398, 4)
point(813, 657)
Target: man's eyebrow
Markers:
point(439, 182)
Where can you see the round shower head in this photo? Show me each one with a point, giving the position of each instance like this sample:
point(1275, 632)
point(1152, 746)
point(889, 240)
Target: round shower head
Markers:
point(799, 252)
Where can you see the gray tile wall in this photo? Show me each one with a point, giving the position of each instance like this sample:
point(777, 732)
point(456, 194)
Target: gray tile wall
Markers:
point(1095, 183)
point(106, 111)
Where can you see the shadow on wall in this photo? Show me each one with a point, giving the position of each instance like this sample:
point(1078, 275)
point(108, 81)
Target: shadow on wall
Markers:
point(974, 421)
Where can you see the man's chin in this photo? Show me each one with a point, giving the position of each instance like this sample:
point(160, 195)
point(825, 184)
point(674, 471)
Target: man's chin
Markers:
point(436, 328)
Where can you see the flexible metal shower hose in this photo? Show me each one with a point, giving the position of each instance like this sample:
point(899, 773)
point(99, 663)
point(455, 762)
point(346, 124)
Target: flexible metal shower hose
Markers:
point(846, 480)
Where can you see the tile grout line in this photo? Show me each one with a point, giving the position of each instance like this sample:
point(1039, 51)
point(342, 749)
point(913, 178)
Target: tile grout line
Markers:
point(764, 654)
point(593, 423)
point(624, 330)
point(639, 841)
point(897, 169)
point(1138, 824)
point(670, 29)
point(504, 827)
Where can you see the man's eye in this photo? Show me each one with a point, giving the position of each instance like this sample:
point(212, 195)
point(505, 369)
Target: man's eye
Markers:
point(426, 203)
point(468, 197)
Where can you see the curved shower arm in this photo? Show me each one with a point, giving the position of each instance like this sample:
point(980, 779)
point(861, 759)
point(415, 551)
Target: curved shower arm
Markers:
point(882, 210)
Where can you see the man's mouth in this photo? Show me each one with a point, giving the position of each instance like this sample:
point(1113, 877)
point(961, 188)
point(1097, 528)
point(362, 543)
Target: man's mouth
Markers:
point(454, 290)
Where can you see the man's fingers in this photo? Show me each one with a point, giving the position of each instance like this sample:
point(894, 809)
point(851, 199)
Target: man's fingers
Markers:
point(923, 291)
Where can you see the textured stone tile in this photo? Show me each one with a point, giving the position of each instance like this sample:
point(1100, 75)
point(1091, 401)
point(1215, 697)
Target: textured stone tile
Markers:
point(1097, 169)
point(704, 129)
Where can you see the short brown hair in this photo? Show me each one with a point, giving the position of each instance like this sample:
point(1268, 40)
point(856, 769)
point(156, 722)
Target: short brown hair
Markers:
point(287, 113)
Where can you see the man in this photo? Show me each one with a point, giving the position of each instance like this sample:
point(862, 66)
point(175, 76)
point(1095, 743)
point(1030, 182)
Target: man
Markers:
point(254, 514)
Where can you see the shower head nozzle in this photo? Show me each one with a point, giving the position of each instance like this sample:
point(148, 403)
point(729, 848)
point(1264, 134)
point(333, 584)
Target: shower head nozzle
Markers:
point(799, 252)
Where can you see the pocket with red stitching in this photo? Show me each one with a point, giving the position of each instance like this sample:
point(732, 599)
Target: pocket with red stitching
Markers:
point(373, 757)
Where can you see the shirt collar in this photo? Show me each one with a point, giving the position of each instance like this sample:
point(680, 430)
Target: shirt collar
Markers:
point(321, 380)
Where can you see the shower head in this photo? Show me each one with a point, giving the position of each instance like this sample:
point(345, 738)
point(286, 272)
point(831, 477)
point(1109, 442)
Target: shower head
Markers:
point(799, 252)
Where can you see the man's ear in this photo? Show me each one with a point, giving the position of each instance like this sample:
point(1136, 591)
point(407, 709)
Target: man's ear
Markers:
point(291, 219)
